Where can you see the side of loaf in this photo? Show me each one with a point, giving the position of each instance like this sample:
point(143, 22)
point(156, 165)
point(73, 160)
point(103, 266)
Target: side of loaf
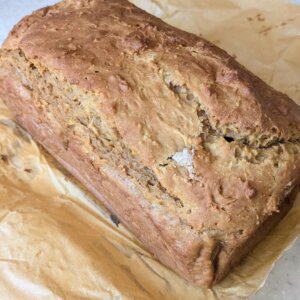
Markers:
point(195, 155)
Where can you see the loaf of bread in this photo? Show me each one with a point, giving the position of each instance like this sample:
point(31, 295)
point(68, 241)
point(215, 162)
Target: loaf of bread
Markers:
point(194, 154)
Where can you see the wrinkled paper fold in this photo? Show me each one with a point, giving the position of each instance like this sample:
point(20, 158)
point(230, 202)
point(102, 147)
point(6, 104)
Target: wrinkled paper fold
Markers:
point(56, 244)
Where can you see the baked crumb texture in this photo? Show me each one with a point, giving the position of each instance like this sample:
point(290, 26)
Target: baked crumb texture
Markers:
point(188, 149)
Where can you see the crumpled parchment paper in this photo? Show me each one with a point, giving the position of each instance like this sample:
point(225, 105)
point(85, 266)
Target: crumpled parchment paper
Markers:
point(56, 244)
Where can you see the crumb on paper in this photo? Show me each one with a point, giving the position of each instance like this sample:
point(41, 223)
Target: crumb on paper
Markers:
point(260, 18)
point(265, 30)
point(4, 157)
point(27, 170)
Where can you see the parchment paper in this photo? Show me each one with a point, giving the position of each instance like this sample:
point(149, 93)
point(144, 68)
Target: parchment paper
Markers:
point(56, 244)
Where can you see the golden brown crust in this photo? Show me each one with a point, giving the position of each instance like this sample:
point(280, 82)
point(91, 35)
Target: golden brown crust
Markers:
point(114, 37)
point(217, 139)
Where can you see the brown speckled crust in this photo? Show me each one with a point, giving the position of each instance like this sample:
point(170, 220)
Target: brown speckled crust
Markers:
point(214, 150)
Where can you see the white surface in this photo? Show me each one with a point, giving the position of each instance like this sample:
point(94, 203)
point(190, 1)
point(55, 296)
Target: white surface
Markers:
point(283, 283)
point(11, 11)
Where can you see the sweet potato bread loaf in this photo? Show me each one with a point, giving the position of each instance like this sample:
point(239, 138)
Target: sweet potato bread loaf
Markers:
point(195, 155)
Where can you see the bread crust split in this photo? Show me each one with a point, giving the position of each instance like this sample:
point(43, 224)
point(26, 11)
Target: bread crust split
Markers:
point(195, 155)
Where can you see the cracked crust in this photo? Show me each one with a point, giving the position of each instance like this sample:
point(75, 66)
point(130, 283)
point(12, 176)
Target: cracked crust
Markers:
point(193, 153)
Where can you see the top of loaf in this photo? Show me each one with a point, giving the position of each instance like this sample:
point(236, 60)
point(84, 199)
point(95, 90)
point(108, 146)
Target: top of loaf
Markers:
point(104, 51)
